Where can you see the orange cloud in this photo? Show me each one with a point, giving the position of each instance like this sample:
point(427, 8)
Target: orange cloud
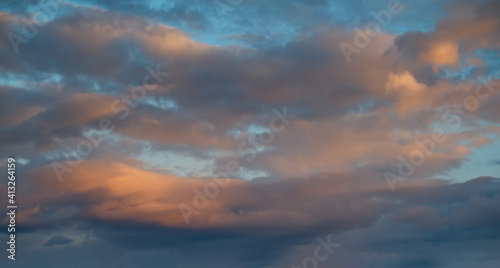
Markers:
point(441, 53)
point(411, 93)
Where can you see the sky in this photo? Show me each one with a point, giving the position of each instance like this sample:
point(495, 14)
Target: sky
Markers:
point(250, 133)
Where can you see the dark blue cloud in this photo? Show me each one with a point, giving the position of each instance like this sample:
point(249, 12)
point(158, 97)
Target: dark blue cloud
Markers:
point(494, 162)
point(58, 240)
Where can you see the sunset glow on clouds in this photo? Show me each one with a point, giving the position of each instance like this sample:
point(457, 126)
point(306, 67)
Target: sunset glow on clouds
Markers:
point(247, 133)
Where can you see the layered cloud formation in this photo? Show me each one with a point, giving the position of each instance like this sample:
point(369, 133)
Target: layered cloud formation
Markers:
point(237, 133)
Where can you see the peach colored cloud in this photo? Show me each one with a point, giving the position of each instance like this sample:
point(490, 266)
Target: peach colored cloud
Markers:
point(77, 110)
point(164, 41)
point(115, 192)
point(442, 53)
point(456, 37)
point(96, 30)
point(411, 93)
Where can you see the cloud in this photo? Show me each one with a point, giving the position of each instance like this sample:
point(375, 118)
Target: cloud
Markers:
point(58, 240)
point(125, 193)
point(493, 162)
point(469, 27)
point(133, 208)
point(63, 118)
point(20, 104)
point(322, 175)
